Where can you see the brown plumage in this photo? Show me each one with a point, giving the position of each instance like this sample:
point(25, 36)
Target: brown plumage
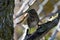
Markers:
point(33, 18)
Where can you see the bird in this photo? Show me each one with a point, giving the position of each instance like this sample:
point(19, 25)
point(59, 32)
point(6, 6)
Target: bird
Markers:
point(32, 20)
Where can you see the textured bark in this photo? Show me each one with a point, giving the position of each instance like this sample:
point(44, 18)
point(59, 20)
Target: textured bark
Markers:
point(6, 19)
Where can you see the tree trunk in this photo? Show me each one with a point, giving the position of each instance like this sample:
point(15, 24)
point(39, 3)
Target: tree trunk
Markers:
point(6, 19)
